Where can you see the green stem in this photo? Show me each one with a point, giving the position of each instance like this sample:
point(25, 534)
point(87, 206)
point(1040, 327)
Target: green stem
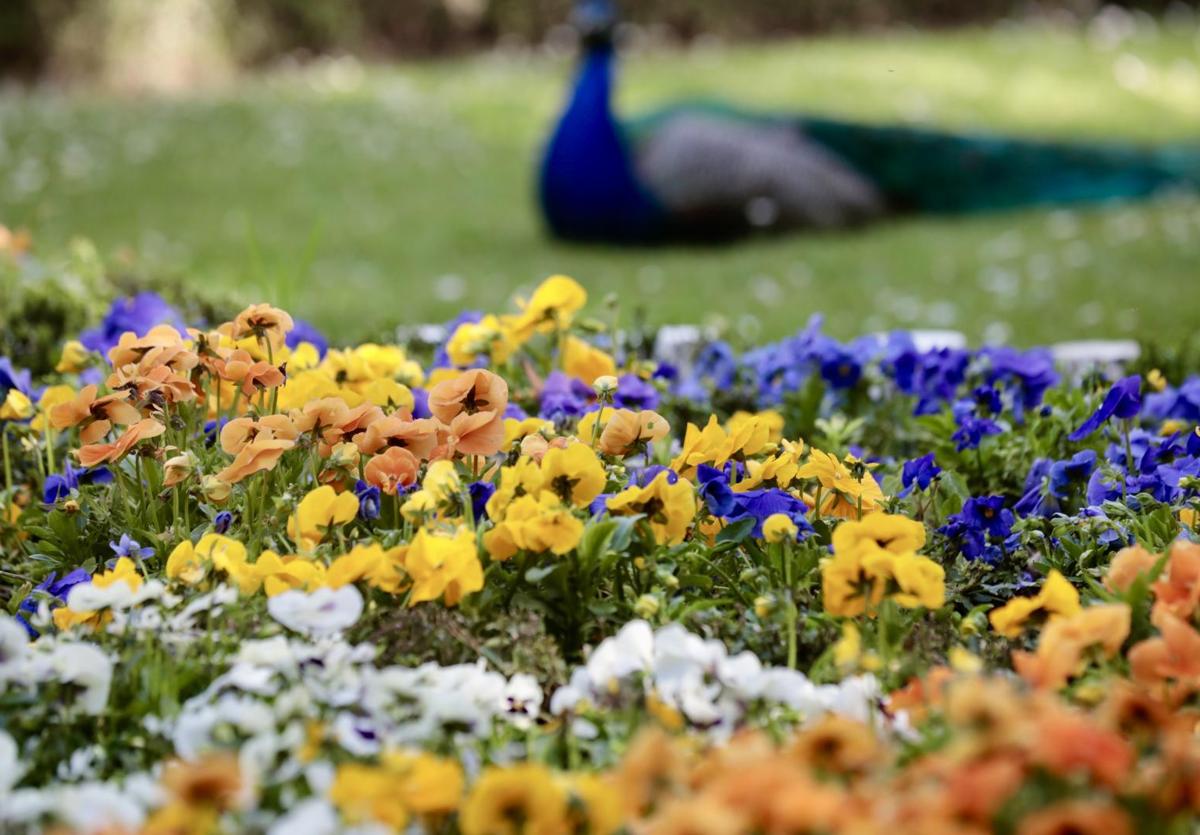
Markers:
point(8, 479)
point(791, 609)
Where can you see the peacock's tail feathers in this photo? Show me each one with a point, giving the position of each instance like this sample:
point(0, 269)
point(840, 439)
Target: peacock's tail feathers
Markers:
point(931, 171)
point(926, 170)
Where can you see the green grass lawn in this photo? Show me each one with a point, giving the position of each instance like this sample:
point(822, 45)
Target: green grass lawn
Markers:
point(365, 198)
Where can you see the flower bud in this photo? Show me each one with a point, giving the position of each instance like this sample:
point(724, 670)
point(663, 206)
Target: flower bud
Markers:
point(779, 528)
point(74, 358)
point(215, 490)
point(605, 385)
point(345, 456)
point(646, 606)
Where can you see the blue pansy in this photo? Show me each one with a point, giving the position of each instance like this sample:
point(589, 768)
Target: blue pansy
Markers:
point(368, 500)
point(59, 485)
point(512, 410)
point(130, 547)
point(1065, 474)
point(222, 521)
point(635, 393)
point(564, 397)
point(441, 359)
point(1027, 373)
point(53, 588)
point(645, 475)
point(972, 429)
point(421, 403)
point(1035, 499)
point(918, 474)
point(303, 331)
point(715, 490)
point(983, 529)
point(1124, 401)
point(137, 313)
point(480, 492)
point(15, 378)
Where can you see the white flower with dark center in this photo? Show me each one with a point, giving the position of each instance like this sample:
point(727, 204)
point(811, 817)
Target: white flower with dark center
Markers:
point(630, 651)
point(10, 764)
point(322, 612)
point(14, 648)
point(86, 667)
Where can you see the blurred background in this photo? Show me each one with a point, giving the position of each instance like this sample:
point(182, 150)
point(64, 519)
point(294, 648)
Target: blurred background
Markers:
point(365, 163)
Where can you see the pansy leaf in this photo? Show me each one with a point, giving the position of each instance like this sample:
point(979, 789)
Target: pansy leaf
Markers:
point(700, 581)
point(538, 573)
point(735, 532)
point(595, 540)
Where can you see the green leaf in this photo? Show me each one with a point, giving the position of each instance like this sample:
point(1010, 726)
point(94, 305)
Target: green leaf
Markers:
point(737, 531)
point(535, 575)
point(700, 581)
point(595, 540)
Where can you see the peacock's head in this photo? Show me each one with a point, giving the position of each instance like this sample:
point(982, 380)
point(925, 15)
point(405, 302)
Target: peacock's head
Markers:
point(596, 20)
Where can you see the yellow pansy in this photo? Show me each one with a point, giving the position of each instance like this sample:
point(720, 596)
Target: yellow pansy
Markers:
point(304, 356)
point(669, 508)
point(897, 534)
point(427, 783)
point(526, 792)
point(781, 467)
point(277, 574)
point(420, 507)
point(713, 445)
point(779, 527)
point(389, 395)
point(522, 478)
point(183, 564)
point(552, 307)
point(51, 397)
point(365, 794)
point(124, 571)
point(306, 386)
point(586, 362)
point(769, 418)
point(488, 336)
point(74, 358)
point(443, 566)
point(383, 569)
point(536, 524)
point(906, 578)
point(574, 474)
point(442, 482)
point(848, 492)
point(16, 406)
point(595, 806)
point(1056, 597)
point(318, 512)
point(515, 430)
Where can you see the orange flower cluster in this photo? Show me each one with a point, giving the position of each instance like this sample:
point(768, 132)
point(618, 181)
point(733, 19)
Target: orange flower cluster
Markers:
point(999, 758)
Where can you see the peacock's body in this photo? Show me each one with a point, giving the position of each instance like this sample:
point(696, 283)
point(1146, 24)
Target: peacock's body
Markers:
point(705, 170)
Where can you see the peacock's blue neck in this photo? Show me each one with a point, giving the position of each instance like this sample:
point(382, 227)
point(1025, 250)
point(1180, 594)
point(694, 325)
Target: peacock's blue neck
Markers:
point(589, 188)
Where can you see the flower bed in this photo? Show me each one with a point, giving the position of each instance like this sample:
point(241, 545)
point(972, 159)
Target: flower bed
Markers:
point(539, 581)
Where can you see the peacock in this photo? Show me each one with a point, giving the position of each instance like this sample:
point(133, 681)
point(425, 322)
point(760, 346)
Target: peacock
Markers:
point(709, 170)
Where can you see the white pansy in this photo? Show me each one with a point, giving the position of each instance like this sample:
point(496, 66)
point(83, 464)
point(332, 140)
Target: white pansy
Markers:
point(524, 697)
point(10, 764)
point(88, 597)
point(98, 807)
point(321, 612)
point(308, 817)
point(630, 650)
point(357, 734)
point(698, 677)
point(14, 648)
point(86, 666)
